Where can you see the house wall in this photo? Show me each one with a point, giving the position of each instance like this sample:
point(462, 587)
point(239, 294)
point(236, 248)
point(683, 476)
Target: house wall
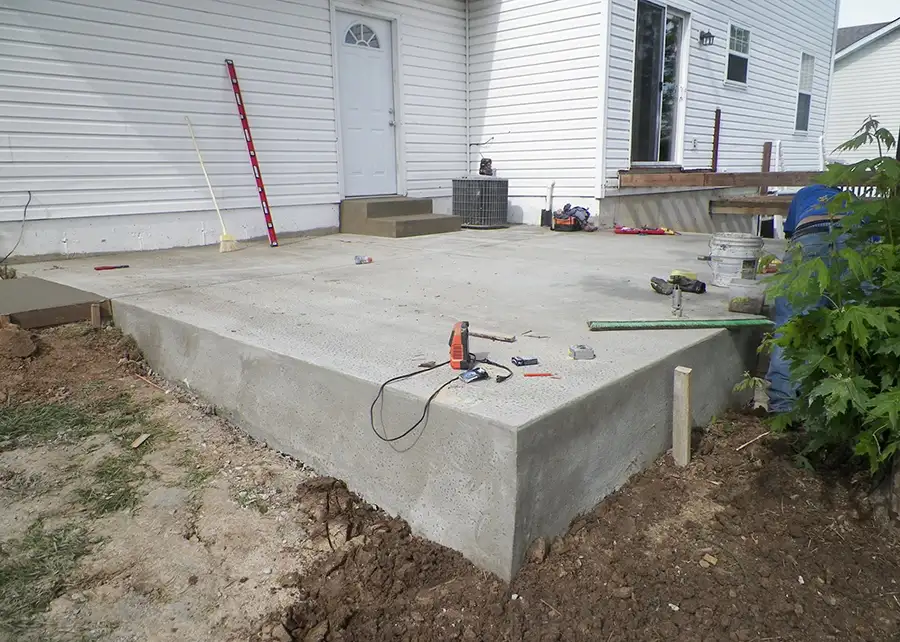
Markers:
point(764, 110)
point(535, 90)
point(94, 100)
point(864, 85)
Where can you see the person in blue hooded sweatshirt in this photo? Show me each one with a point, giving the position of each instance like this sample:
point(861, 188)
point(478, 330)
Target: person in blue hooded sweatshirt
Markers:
point(809, 226)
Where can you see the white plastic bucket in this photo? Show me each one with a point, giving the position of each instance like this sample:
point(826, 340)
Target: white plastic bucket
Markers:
point(734, 256)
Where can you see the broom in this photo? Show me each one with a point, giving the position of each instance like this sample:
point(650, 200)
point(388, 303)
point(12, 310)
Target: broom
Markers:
point(226, 241)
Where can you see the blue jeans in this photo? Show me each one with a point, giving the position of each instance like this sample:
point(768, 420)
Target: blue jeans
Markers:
point(782, 387)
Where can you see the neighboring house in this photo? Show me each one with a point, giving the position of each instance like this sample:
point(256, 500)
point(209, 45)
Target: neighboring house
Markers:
point(865, 84)
point(375, 97)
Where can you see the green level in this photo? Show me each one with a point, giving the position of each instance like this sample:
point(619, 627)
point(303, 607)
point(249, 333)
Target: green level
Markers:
point(679, 324)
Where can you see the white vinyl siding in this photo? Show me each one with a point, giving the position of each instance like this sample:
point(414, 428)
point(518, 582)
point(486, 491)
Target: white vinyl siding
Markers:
point(433, 73)
point(94, 102)
point(94, 95)
point(865, 84)
point(534, 92)
point(762, 110)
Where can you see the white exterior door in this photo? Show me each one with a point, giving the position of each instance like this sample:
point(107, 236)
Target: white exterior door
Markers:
point(366, 95)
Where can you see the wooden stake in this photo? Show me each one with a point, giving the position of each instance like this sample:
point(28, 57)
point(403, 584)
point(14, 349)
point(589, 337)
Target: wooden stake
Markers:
point(681, 417)
point(96, 319)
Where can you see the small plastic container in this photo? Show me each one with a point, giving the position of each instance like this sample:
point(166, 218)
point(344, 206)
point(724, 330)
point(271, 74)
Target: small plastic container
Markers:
point(362, 260)
point(746, 296)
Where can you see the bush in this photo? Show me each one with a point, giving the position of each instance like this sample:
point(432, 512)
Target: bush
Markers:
point(846, 354)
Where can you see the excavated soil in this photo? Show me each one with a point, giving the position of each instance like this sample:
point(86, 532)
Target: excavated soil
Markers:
point(742, 545)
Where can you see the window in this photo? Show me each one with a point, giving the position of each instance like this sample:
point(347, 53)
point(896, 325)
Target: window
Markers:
point(361, 36)
point(738, 55)
point(804, 93)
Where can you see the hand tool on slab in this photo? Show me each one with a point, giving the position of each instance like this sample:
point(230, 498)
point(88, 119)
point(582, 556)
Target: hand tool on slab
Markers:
point(103, 268)
point(581, 353)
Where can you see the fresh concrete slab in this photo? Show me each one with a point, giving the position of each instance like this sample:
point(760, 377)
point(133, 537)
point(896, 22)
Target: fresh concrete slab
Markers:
point(39, 303)
point(294, 341)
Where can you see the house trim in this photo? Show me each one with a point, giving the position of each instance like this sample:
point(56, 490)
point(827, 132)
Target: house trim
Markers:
point(602, 106)
point(829, 88)
point(865, 42)
point(396, 21)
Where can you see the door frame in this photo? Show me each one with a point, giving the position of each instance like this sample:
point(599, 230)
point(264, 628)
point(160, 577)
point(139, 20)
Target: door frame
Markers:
point(396, 23)
point(683, 71)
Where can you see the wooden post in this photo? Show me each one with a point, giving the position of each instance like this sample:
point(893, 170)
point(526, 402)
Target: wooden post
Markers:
point(681, 417)
point(766, 165)
point(96, 319)
point(717, 132)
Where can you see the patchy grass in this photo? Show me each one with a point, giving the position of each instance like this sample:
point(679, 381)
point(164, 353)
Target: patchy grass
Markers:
point(35, 570)
point(114, 486)
point(34, 424)
point(196, 475)
point(20, 484)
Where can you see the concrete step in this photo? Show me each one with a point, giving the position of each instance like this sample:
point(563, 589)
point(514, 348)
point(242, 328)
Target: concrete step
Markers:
point(414, 225)
point(381, 207)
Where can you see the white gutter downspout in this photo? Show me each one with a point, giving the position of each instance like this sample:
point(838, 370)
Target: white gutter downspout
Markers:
point(837, 13)
point(468, 123)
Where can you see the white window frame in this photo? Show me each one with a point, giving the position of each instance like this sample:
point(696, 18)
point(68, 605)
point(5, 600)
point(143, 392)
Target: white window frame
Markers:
point(729, 52)
point(808, 92)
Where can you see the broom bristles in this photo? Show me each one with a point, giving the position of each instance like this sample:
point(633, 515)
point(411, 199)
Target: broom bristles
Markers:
point(227, 243)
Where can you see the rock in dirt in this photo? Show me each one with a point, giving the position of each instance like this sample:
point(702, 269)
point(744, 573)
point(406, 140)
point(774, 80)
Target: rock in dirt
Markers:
point(538, 550)
point(16, 343)
point(289, 580)
point(623, 592)
point(317, 633)
point(280, 634)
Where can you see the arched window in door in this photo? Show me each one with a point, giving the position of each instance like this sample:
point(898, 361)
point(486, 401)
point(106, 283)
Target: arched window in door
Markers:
point(362, 36)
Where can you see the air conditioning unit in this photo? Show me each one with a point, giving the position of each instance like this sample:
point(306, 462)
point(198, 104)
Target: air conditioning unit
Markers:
point(481, 201)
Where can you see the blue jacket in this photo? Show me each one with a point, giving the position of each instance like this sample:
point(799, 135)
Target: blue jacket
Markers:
point(809, 201)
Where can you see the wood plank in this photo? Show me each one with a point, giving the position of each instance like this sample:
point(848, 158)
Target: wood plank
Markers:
point(661, 179)
point(681, 417)
point(710, 179)
point(751, 206)
point(761, 179)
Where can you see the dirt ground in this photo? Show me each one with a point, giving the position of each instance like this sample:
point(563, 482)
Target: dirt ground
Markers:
point(193, 535)
point(200, 533)
point(742, 545)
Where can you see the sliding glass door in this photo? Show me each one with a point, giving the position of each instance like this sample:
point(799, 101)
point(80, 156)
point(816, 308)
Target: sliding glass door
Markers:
point(657, 98)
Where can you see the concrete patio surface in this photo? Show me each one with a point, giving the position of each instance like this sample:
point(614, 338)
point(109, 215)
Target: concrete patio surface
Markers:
point(293, 342)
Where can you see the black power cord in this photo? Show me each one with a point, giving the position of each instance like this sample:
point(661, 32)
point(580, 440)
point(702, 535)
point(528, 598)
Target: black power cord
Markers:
point(410, 375)
point(21, 230)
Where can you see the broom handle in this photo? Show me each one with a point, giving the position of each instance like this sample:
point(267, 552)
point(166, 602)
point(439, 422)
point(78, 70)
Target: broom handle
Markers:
point(206, 176)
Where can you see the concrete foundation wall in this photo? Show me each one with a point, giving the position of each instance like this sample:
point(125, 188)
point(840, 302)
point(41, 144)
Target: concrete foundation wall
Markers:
point(455, 484)
point(64, 237)
point(572, 459)
point(684, 211)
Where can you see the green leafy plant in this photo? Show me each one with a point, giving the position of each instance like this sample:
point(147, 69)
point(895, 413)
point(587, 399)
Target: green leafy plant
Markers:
point(845, 355)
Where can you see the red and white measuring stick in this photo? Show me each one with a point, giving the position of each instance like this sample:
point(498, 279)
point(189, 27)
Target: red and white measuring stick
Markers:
point(251, 148)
